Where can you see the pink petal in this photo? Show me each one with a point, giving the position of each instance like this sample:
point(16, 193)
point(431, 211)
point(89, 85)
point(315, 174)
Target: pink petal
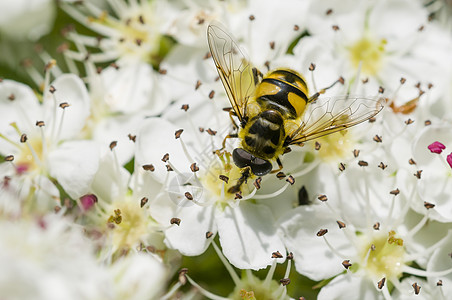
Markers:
point(436, 147)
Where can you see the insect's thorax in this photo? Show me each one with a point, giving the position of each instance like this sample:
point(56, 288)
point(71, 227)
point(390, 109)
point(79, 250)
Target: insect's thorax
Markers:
point(280, 98)
point(283, 90)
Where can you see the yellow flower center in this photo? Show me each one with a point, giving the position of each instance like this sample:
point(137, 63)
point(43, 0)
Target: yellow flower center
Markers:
point(130, 224)
point(336, 146)
point(383, 256)
point(369, 53)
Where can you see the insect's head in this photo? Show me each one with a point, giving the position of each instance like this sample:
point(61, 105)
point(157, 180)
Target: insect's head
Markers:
point(243, 158)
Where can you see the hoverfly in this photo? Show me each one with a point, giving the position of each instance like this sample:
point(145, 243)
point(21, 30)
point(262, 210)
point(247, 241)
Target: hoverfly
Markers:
point(275, 110)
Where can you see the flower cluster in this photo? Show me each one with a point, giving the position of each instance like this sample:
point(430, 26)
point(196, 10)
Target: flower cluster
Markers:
point(119, 168)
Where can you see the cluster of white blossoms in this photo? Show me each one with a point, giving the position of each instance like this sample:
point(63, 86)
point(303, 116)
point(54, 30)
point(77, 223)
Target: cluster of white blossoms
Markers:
point(116, 167)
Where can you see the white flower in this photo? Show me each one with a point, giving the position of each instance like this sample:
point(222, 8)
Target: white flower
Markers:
point(38, 140)
point(198, 203)
point(25, 19)
point(49, 259)
point(363, 226)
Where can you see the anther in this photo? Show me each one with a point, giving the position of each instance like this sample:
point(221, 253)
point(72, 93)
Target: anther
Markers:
point(141, 19)
point(9, 158)
point(409, 121)
point(113, 145)
point(188, 196)
point(427, 122)
point(64, 105)
point(23, 138)
point(421, 28)
point(329, 11)
point(139, 42)
point(40, 123)
point(402, 80)
point(148, 167)
point(168, 168)
point(211, 132)
point(317, 146)
point(165, 157)
point(312, 67)
point(52, 89)
point(411, 161)
point(175, 221)
point(430, 85)
point(133, 138)
point(296, 27)
point(372, 247)
point(363, 163)
point(417, 288)
point(365, 80)
point(272, 45)
point(281, 175)
point(114, 65)
point(323, 198)
point(289, 256)
point(381, 283)
point(163, 71)
point(198, 84)
point(257, 182)
point(211, 94)
point(335, 27)
point(395, 192)
point(341, 224)
point(382, 166)
point(143, 201)
point(346, 263)
point(284, 281)
point(356, 153)
point(418, 174)
point(341, 167)
point(194, 167)
point(439, 283)
point(201, 21)
point(224, 178)
point(182, 278)
point(290, 180)
point(252, 17)
point(341, 80)
point(178, 133)
point(322, 232)
point(381, 90)
point(428, 205)
point(267, 64)
point(377, 139)
point(207, 55)
point(209, 234)
point(277, 254)
point(201, 129)
point(57, 209)
point(376, 226)
point(185, 107)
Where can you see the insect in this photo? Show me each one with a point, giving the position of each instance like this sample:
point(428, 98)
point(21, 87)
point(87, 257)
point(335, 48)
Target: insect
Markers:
point(275, 110)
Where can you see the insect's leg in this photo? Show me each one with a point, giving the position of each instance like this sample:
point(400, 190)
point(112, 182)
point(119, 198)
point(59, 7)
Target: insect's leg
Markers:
point(280, 166)
point(231, 115)
point(322, 91)
point(229, 136)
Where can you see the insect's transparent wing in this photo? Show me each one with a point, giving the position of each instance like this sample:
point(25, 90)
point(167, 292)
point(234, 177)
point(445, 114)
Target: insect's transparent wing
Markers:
point(329, 115)
point(238, 76)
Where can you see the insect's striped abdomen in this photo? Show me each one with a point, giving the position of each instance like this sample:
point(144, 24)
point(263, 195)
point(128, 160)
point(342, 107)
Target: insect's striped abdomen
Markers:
point(285, 91)
point(263, 136)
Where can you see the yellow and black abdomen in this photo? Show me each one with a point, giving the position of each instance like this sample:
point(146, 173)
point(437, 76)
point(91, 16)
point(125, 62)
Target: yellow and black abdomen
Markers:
point(285, 91)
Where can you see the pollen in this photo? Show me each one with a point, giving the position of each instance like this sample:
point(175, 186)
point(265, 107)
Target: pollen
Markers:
point(383, 255)
point(368, 52)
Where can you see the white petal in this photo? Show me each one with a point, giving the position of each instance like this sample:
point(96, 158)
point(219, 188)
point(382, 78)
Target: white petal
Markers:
point(313, 258)
point(248, 236)
point(74, 165)
point(349, 286)
point(71, 89)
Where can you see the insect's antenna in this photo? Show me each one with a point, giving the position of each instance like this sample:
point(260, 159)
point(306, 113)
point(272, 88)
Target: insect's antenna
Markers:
point(322, 91)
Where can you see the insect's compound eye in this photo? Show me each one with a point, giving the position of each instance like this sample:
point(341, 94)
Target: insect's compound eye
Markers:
point(241, 158)
point(260, 167)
